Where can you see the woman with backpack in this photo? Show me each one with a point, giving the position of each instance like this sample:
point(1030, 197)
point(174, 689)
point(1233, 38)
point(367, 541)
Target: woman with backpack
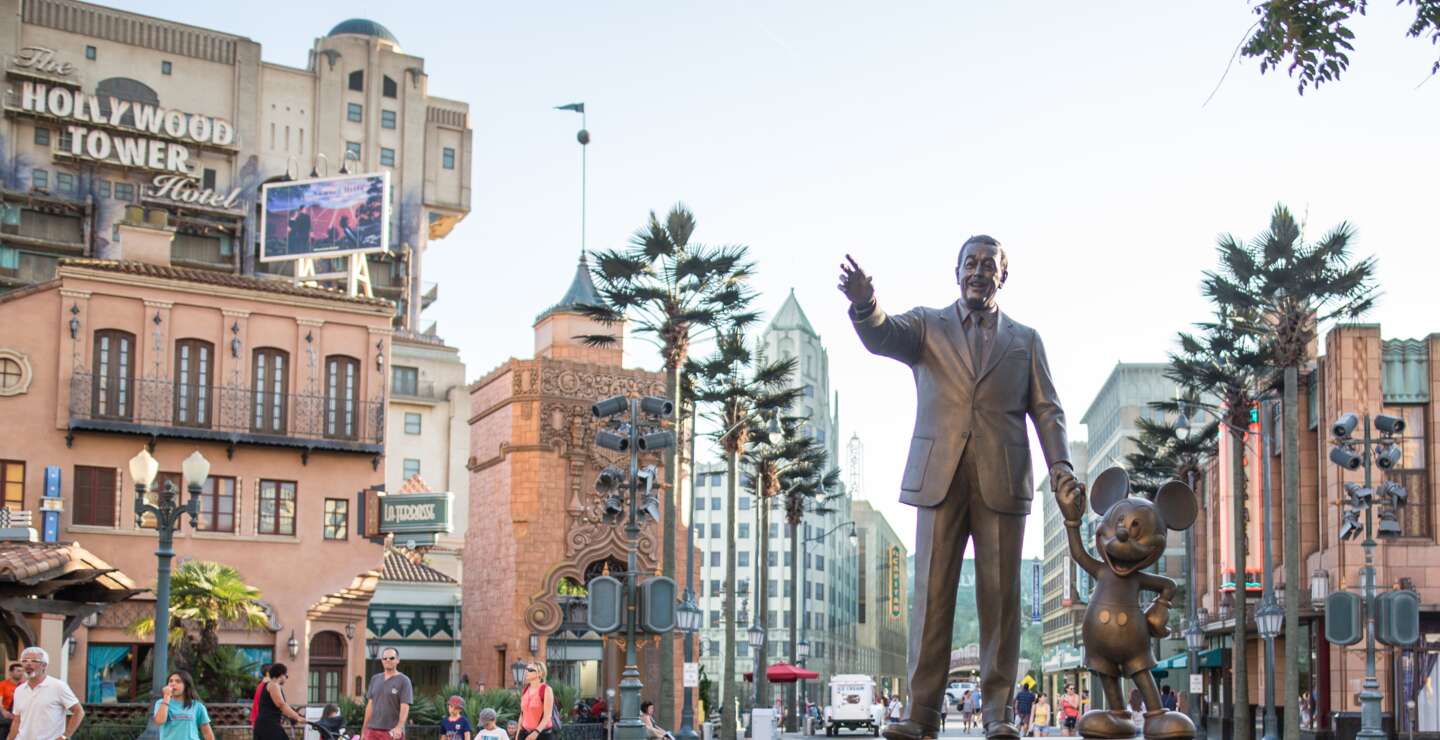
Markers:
point(538, 720)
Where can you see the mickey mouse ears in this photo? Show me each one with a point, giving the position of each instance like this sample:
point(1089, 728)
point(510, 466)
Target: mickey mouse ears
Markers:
point(1175, 501)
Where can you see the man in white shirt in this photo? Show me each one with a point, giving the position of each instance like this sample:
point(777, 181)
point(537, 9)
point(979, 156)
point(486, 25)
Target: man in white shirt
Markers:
point(42, 701)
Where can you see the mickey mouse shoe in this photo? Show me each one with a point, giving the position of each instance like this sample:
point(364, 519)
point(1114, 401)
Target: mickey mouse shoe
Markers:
point(1103, 723)
point(1168, 726)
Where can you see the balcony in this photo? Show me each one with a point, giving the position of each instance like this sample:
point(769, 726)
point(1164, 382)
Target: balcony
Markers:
point(230, 414)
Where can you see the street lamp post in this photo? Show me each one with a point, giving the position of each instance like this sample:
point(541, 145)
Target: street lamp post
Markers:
point(756, 638)
point(1268, 614)
point(687, 708)
point(1194, 641)
point(167, 512)
point(799, 595)
point(1351, 454)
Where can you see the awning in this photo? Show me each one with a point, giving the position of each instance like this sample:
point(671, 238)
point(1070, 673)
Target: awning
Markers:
point(1175, 662)
point(1212, 658)
point(785, 673)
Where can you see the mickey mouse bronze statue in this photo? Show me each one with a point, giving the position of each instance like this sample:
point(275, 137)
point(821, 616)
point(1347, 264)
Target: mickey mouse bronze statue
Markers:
point(1116, 632)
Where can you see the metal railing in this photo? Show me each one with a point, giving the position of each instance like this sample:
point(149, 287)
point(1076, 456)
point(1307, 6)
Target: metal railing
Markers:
point(226, 412)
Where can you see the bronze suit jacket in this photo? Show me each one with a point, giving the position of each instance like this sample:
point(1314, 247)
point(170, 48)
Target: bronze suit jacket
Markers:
point(961, 408)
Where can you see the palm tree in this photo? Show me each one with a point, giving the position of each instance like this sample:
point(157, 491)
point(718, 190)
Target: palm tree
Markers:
point(1163, 452)
point(798, 481)
point(675, 292)
point(1294, 287)
point(1225, 363)
point(742, 398)
point(786, 469)
point(203, 595)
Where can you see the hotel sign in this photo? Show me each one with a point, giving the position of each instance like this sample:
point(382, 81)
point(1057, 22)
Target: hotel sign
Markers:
point(897, 583)
point(156, 130)
point(416, 513)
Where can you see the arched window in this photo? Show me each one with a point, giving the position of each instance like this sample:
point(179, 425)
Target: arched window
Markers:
point(270, 379)
point(327, 667)
point(194, 372)
point(112, 393)
point(342, 396)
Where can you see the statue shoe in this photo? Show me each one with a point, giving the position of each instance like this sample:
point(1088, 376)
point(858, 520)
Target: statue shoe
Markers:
point(1168, 726)
point(1102, 723)
point(1001, 730)
point(909, 730)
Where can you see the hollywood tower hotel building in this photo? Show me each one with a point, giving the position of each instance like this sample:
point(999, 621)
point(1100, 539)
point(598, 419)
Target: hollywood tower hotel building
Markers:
point(134, 313)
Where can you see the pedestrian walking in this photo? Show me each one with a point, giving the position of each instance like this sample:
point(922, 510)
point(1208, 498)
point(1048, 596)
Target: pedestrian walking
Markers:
point(387, 703)
point(1040, 722)
point(179, 713)
point(259, 689)
point(967, 710)
point(1069, 711)
point(1168, 698)
point(14, 676)
point(537, 705)
point(42, 701)
point(1024, 703)
point(455, 725)
point(273, 707)
point(488, 730)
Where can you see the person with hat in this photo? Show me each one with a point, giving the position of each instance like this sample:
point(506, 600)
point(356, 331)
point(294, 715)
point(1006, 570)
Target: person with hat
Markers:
point(456, 726)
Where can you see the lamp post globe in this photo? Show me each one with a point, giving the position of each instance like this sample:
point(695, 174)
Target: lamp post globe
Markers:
point(1319, 587)
point(517, 672)
point(756, 635)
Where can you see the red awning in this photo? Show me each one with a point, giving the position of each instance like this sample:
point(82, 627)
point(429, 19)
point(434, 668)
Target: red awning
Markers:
point(785, 673)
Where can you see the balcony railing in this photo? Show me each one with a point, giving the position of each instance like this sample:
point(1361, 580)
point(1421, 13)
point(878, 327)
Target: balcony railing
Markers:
point(226, 413)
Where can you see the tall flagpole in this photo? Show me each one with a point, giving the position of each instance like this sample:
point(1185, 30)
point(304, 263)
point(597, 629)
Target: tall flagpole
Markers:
point(584, 138)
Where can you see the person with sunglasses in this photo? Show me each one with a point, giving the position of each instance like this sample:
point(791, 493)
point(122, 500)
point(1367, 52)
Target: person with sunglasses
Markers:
point(387, 705)
point(537, 705)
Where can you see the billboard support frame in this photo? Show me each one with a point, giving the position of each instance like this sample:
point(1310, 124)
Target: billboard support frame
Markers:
point(356, 276)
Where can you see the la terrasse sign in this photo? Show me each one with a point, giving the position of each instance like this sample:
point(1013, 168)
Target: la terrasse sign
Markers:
point(416, 513)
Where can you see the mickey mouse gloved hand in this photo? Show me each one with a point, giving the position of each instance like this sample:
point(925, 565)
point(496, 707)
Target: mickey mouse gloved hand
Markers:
point(1157, 617)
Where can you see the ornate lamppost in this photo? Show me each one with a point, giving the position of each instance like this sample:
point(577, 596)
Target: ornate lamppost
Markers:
point(167, 512)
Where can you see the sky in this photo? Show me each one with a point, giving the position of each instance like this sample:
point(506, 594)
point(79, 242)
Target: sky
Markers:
point(1078, 134)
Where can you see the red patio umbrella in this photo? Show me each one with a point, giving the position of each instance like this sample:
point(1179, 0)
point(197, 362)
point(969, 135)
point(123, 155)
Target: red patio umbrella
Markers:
point(785, 673)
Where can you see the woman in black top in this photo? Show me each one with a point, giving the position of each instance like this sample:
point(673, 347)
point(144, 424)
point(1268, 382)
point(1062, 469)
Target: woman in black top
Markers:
point(273, 708)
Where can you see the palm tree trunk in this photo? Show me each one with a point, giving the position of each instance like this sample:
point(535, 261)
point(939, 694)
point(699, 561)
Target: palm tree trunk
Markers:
point(762, 608)
point(1295, 589)
point(667, 560)
point(1244, 727)
point(727, 685)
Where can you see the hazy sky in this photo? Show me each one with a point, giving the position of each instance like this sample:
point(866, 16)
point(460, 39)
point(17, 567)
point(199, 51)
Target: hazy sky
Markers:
point(1076, 133)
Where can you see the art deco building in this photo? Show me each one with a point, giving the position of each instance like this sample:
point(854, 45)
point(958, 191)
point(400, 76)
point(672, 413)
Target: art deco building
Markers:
point(537, 535)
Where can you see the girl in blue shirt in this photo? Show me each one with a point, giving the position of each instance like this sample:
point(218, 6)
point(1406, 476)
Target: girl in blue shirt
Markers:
point(179, 713)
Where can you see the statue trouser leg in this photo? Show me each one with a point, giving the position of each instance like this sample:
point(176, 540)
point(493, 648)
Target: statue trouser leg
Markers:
point(940, 536)
point(998, 540)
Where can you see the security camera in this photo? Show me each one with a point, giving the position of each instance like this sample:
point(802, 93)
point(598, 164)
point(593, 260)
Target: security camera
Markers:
point(1389, 456)
point(656, 406)
point(610, 406)
point(612, 441)
point(1345, 458)
point(1389, 425)
point(1345, 425)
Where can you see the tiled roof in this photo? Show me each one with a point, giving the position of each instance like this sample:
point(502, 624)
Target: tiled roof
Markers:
point(29, 563)
point(215, 277)
point(403, 566)
point(581, 292)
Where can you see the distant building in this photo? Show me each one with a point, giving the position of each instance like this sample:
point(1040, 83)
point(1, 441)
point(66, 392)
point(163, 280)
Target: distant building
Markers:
point(1063, 608)
point(537, 535)
point(884, 607)
point(1112, 424)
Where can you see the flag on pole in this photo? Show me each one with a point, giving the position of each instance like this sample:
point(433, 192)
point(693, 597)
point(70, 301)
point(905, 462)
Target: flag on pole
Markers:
point(577, 107)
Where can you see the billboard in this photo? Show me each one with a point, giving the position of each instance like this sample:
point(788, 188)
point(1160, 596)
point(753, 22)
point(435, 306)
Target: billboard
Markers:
point(326, 217)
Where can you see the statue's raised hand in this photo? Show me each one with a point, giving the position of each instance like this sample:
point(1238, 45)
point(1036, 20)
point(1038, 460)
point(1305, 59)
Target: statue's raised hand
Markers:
point(855, 284)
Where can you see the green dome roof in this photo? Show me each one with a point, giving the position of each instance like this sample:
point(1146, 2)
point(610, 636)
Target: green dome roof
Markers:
point(363, 27)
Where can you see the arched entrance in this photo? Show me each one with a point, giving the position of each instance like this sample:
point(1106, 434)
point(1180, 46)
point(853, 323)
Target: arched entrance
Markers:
point(327, 667)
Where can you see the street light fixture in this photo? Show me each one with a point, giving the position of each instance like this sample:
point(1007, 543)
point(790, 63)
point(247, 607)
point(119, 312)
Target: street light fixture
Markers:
point(517, 672)
point(688, 615)
point(756, 635)
point(167, 511)
point(1319, 587)
point(292, 645)
point(802, 650)
point(1269, 619)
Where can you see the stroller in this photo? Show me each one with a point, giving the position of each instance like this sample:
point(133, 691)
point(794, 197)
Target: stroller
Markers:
point(330, 729)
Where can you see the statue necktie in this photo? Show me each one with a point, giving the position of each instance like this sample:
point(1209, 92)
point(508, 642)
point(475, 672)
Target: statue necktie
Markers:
point(977, 340)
